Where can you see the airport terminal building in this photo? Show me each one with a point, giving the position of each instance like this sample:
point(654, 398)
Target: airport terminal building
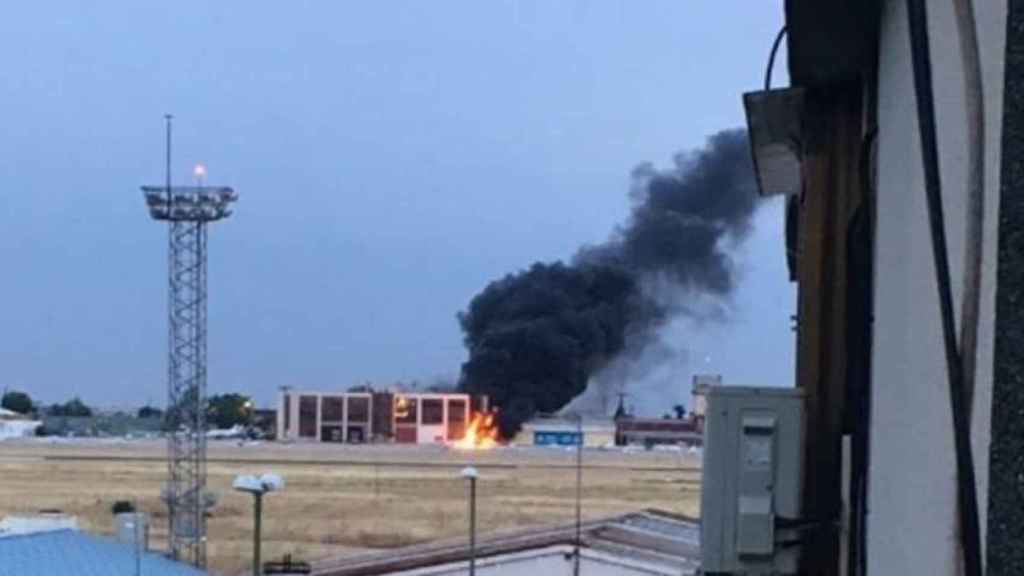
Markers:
point(355, 417)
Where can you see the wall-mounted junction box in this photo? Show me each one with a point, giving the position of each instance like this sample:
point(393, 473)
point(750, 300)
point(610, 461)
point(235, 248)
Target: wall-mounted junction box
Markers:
point(752, 469)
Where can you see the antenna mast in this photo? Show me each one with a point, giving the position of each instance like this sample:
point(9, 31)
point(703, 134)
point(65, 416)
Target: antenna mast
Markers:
point(187, 209)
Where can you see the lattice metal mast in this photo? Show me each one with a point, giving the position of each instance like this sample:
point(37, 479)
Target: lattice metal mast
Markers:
point(187, 209)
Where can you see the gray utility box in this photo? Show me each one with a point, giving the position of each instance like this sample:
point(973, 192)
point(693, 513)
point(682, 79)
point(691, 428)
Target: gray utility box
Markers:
point(752, 469)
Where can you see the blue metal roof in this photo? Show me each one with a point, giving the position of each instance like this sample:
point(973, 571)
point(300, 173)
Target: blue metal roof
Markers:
point(73, 553)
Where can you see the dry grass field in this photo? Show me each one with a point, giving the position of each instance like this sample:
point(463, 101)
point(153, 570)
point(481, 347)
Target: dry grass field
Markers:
point(344, 498)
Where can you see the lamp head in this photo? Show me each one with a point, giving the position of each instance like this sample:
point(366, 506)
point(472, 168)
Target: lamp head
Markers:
point(258, 484)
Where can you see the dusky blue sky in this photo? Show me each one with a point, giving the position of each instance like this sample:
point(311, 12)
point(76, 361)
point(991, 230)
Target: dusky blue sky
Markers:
point(392, 158)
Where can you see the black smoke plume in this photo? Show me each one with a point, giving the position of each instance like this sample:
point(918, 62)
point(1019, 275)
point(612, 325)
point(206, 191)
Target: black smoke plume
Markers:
point(537, 337)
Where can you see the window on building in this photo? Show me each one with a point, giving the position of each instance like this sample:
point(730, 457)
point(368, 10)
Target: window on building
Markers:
point(405, 410)
point(456, 410)
point(307, 416)
point(333, 409)
point(332, 433)
point(456, 419)
point(358, 409)
point(433, 411)
point(287, 413)
point(356, 434)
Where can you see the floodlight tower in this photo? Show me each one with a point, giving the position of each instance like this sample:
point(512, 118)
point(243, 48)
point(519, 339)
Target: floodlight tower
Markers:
point(187, 210)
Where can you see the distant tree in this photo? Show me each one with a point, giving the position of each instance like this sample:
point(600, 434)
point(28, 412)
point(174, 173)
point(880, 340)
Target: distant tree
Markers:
point(680, 411)
point(122, 507)
point(19, 402)
point(227, 410)
point(150, 412)
point(73, 407)
point(181, 414)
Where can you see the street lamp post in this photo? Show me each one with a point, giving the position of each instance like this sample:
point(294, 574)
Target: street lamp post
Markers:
point(470, 474)
point(579, 493)
point(257, 486)
point(257, 513)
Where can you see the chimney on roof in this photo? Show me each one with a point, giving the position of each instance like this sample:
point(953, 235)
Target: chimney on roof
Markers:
point(620, 412)
point(132, 528)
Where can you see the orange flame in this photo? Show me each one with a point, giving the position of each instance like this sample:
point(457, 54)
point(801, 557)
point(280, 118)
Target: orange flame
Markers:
point(401, 407)
point(481, 434)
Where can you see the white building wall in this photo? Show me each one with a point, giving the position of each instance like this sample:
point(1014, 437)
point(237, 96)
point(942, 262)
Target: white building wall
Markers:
point(912, 493)
point(20, 525)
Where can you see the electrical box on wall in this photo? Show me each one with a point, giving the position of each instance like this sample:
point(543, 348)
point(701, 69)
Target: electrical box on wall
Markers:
point(751, 486)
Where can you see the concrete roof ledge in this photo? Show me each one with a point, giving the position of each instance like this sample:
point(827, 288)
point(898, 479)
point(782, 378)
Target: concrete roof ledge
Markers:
point(649, 536)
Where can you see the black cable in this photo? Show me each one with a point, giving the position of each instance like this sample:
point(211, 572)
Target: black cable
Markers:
point(860, 246)
point(771, 59)
point(970, 537)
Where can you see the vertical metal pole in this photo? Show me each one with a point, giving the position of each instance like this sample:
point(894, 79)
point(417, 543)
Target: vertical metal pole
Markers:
point(472, 527)
point(136, 516)
point(579, 493)
point(199, 479)
point(167, 173)
point(256, 537)
point(171, 423)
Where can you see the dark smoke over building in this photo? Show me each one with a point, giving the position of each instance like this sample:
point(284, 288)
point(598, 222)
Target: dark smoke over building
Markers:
point(537, 337)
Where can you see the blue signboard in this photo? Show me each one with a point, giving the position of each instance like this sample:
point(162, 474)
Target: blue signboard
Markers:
point(557, 438)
